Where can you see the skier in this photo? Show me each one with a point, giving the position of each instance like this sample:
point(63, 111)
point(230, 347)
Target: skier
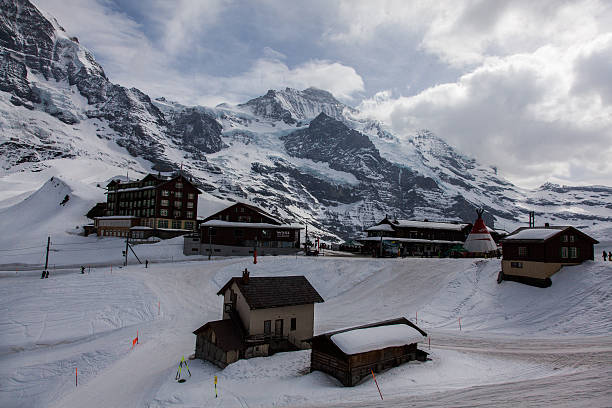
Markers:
point(146, 263)
point(82, 269)
point(44, 273)
point(604, 255)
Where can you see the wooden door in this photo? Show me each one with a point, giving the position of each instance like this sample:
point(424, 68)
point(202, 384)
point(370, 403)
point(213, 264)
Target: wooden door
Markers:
point(278, 327)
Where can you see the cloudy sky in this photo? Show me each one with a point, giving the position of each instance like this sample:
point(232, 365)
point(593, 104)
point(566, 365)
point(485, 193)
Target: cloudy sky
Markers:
point(523, 85)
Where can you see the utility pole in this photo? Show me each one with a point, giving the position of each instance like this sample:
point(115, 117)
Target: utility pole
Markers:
point(209, 243)
point(47, 256)
point(127, 243)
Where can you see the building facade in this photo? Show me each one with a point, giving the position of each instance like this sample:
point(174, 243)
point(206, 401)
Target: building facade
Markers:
point(240, 229)
point(261, 316)
point(414, 238)
point(533, 255)
point(160, 205)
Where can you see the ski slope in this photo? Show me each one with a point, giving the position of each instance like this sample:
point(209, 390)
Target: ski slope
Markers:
point(511, 334)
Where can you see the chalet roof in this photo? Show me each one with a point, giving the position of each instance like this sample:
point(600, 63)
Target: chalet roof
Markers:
point(275, 291)
point(541, 234)
point(374, 338)
point(252, 207)
point(386, 334)
point(413, 240)
point(392, 225)
point(229, 335)
point(381, 227)
point(230, 224)
point(430, 225)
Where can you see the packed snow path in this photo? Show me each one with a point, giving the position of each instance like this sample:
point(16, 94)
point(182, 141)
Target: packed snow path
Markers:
point(517, 343)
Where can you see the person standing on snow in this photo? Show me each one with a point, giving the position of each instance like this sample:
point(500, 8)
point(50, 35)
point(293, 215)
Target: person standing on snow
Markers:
point(604, 255)
point(609, 256)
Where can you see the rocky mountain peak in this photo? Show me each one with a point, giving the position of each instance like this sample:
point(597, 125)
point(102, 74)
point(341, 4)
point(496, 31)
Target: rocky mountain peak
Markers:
point(291, 105)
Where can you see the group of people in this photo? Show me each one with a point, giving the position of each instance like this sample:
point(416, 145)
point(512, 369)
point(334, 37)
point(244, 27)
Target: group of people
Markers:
point(609, 256)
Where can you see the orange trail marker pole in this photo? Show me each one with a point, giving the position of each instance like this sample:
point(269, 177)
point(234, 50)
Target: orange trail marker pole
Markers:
point(381, 397)
point(76, 377)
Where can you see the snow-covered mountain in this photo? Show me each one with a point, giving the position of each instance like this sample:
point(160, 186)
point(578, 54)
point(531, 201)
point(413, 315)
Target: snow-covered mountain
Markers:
point(303, 155)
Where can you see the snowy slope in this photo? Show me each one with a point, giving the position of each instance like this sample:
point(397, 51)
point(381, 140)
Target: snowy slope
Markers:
point(510, 333)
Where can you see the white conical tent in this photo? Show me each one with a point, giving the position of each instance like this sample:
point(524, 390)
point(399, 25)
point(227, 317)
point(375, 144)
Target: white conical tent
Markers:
point(480, 240)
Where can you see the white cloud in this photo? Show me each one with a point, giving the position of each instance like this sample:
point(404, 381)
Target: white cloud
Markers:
point(520, 113)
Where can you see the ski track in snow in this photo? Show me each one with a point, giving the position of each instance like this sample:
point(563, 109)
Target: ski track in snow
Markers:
point(521, 342)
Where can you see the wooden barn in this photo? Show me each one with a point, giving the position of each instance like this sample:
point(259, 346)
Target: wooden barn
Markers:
point(351, 354)
point(531, 255)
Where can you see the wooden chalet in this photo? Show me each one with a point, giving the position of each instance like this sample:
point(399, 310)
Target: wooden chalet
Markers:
point(351, 354)
point(532, 255)
point(414, 238)
point(156, 205)
point(261, 316)
point(240, 229)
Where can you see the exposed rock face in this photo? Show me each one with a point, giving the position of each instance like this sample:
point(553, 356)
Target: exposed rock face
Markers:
point(196, 129)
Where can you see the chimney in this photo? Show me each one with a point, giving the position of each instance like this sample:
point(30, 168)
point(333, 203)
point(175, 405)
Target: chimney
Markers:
point(245, 277)
point(546, 225)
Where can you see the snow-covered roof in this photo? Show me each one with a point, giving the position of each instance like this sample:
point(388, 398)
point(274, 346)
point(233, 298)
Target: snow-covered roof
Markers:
point(431, 225)
point(381, 227)
point(534, 233)
point(116, 217)
point(125, 190)
point(374, 338)
point(415, 240)
point(140, 227)
point(229, 224)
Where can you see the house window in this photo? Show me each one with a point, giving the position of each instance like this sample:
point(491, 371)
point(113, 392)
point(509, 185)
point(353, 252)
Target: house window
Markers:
point(282, 234)
point(564, 238)
point(163, 213)
point(522, 251)
point(162, 224)
point(293, 323)
point(563, 252)
point(179, 184)
point(189, 214)
point(244, 218)
point(164, 203)
point(571, 238)
point(191, 196)
point(190, 204)
point(573, 251)
point(177, 214)
point(518, 265)
point(189, 225)
point(178, 204)
point(165, 193)
point(267, 326)
point(178, 194)
point(265, 233)
point(241, 209)
point(176, 224)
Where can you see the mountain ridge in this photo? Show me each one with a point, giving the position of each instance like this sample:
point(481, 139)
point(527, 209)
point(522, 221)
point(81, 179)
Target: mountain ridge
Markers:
point(303, 155)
